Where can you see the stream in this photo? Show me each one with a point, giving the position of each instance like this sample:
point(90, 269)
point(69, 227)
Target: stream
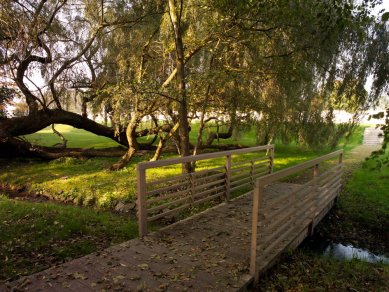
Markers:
point(327, 247)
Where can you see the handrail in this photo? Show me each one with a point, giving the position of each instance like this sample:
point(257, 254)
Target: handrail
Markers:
point(144, 211)
point(296, 168)
point(258, 197)
point(170, 161)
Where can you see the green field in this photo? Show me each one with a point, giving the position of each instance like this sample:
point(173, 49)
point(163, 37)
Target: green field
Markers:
point(88, 182)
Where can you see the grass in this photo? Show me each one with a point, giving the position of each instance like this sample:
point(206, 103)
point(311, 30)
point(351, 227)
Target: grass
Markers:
point(34, 236)
point(302, 271)
point(366, 196)
point(77, 138)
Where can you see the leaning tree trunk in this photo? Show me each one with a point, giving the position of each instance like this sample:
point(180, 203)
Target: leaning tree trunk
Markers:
point(133, 144)
point(19, 126)
point(162, 142)
point(62, 137)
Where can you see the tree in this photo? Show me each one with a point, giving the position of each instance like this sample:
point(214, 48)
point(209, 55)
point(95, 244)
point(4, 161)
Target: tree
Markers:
point(51, 39)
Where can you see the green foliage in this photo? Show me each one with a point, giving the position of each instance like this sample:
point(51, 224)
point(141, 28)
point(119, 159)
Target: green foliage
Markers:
point(6, 96)
point(35, 236)
point(385, 16)
point(379, 156)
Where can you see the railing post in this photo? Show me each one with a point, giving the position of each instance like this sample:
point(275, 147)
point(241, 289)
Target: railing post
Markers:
point(340, 162)
point(340, 158)
point(228, 176)
point(271, 159)
point(254, 230)
point(191, 182)
point(316, 170)
point(141, 201)
point(252, 172)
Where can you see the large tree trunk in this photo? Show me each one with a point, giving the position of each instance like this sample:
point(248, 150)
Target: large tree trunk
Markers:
point(14, 147)
point(180, 60)
point(19, 126)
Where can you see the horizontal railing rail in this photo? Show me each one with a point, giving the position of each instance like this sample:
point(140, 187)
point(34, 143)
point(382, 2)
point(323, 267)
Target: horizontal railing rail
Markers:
point(277, 218)
point(162, 197)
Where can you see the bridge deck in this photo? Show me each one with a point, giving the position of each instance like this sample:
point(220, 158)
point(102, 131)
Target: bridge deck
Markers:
point(207, 252)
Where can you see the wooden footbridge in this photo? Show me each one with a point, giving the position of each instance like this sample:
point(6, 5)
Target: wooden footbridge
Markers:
point(248, 216)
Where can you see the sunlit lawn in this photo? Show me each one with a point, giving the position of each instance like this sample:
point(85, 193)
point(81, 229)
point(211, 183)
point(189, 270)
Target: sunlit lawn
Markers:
point(88, 182)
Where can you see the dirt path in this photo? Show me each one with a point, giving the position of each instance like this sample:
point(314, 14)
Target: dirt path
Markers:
point(371, 142)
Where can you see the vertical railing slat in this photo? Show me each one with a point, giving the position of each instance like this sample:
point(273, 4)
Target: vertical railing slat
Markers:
point(228, 177)
point(254, 229)
point(141, 201)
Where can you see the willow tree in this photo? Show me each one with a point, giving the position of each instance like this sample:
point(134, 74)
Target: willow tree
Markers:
point(50, 48)
point(304, 59)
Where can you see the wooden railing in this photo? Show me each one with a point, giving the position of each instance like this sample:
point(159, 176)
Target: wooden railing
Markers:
point(277, 218)
point(165, 196)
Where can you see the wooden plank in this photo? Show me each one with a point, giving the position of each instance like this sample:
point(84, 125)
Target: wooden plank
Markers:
point(209, 198)
point(263, 159)
point(260, 169)
point(241, 169)
point(270, 235)
point(207, 178)
point(240, 181)
point(249, 161)
point(240, 186)
point(208, 185)
point(168, 188)
point(239, 175)
point(208, 170)
point(168, 179)
point(228, 177)
point(164, 214)
point(202, 194)
point(185, 206)
point(141, 201)
point(331, 179)
point(277, 220)
point(167, 197)
point(259, 174)
point(270, 215)
point(258, 189)
point(163, 206)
